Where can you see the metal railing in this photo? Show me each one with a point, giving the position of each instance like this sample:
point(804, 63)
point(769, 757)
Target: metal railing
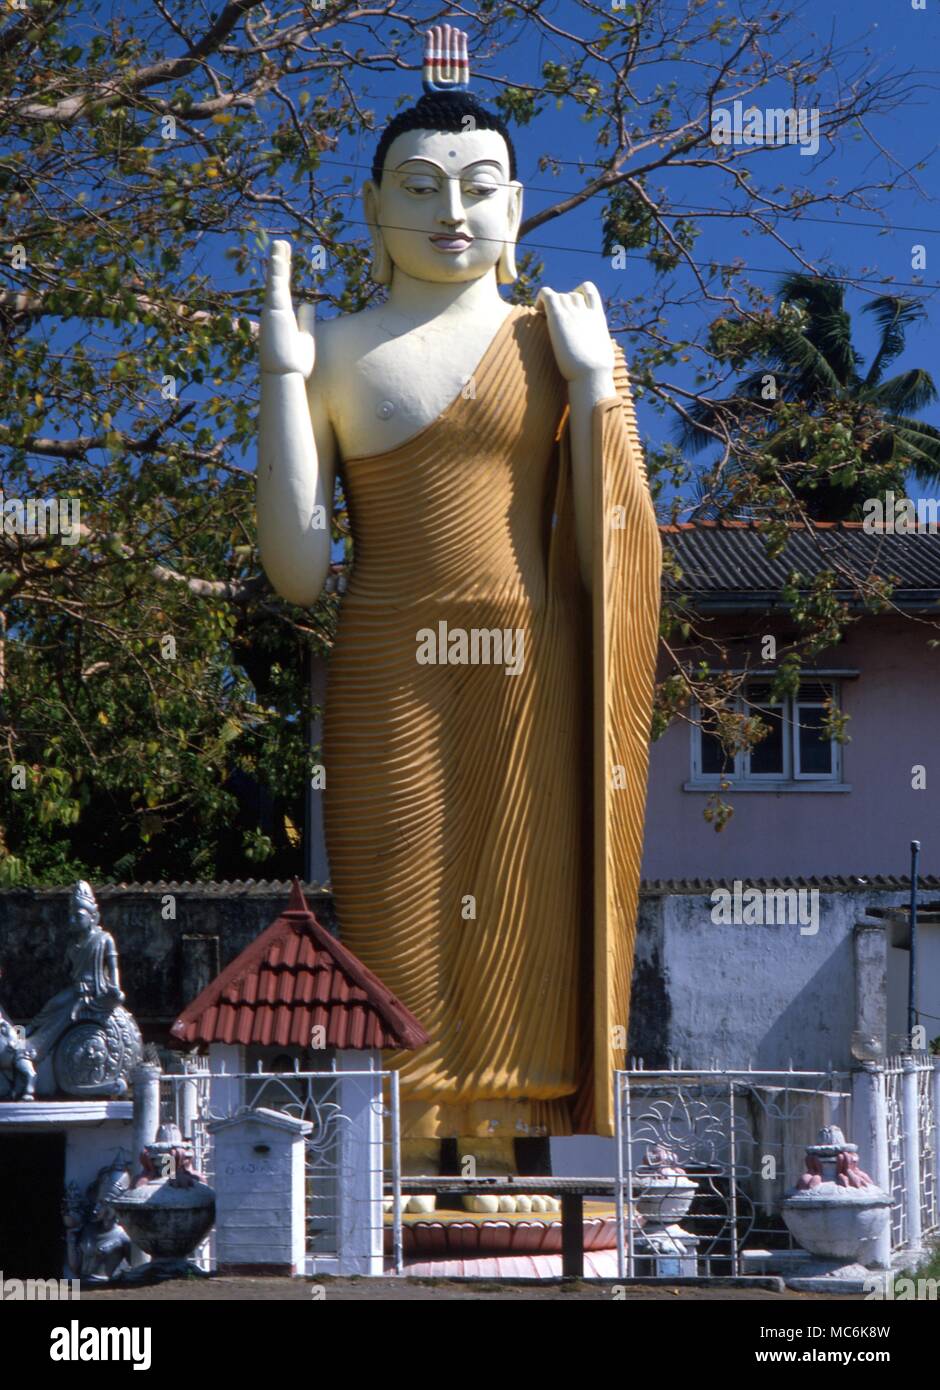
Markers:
point(912, 1101)
point(927, 1095)
point(893, 1081)
point(350, 1152)
point(739, 1136)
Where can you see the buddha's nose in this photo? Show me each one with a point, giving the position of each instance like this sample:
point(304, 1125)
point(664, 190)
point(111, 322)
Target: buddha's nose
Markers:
point(452, 213)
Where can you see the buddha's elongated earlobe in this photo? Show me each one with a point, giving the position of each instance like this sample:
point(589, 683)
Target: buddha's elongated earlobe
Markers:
point(506, 271)
point(381, 272)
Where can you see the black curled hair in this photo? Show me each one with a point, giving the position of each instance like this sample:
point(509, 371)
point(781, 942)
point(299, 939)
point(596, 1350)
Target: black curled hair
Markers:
point(444, 111)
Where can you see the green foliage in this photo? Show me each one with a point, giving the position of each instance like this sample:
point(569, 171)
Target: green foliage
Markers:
point(146, 161)
point(153, 704)
point(804, 425)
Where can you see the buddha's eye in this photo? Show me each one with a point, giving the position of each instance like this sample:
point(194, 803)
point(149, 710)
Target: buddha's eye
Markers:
point(422, 189)
point(480, 190)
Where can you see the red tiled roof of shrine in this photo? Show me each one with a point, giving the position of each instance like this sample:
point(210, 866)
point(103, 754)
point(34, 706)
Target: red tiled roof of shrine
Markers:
point(294, 977)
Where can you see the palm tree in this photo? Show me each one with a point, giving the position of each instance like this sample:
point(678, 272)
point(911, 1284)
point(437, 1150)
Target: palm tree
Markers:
point(810, 355)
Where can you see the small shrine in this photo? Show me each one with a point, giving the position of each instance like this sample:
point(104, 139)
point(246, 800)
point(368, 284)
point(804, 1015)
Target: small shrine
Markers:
point(298, 998)
point(68, 1134)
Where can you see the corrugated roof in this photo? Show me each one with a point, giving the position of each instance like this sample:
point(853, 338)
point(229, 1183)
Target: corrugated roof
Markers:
point(293, 978)
point(726, 560)
point(235, 887)
point(826, 883)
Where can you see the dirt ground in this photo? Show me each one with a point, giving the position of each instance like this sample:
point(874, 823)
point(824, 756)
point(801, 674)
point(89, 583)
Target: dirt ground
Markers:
point(410, 1290)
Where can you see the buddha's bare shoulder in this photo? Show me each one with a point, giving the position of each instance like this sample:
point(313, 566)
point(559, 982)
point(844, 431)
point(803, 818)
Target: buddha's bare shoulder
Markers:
point(343, 340)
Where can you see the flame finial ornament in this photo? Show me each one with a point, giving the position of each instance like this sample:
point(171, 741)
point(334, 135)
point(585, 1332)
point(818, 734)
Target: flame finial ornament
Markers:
point(446, 60)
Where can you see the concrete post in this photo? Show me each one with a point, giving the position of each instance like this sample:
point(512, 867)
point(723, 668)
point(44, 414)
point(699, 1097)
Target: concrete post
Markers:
point(870, 945)
point(189, 1104)
point(870, 1133)
point(910, 1133)
point(146, 1084)
point(146, 1093)
point(359, 1166)
point(185, 1095)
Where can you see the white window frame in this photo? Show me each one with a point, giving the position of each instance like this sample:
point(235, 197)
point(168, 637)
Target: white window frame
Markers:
point(744, 757)
point(798, 773)
point(792, 778)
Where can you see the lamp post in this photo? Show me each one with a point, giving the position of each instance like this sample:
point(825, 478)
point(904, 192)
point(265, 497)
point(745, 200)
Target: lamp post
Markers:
point(912, 976)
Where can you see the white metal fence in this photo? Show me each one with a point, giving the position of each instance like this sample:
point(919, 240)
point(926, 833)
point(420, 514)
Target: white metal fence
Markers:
point(911, 1091)
point(352, 1152)
point(741, 1137)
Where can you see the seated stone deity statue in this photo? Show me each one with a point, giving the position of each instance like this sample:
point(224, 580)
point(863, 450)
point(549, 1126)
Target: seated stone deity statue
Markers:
point(490, 686)
point(94, 987)
point(83, 1039)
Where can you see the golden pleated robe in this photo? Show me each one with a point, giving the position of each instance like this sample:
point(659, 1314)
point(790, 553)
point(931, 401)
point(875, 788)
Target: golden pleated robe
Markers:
point(484, 829)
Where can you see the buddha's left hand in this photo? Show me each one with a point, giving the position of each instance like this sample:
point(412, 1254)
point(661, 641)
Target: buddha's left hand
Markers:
point(577, 326)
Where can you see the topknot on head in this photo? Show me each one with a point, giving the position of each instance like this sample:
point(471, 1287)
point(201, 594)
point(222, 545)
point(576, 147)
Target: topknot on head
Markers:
point(446, 60)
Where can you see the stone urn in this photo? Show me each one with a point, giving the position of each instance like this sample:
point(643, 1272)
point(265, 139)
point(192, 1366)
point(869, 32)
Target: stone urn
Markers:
point(662, 1191)
point(662, 1196)
point(835, 1211)
point(169, 1211)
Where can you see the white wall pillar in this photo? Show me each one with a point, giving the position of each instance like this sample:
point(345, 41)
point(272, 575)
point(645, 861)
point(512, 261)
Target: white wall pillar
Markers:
point(359, 1167)
point(870, 949)
point(184, 1093)
point(146, 1085)
point(870, 1133)
point(146, 1088)
point(910, 1138)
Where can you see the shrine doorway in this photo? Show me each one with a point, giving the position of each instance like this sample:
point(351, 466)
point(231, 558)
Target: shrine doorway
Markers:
point(32, 1183)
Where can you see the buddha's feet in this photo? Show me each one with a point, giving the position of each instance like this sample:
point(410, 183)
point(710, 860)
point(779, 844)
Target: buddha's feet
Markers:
point(476, 1157)
point(509, 1202)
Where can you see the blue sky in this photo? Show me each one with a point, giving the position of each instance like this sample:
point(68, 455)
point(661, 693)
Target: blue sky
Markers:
point(887, 33)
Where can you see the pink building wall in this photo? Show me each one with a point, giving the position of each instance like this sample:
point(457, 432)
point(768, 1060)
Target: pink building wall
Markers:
point(894, 706)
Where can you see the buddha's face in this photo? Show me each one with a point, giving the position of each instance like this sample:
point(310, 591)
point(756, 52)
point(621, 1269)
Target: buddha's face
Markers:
point(446, 207)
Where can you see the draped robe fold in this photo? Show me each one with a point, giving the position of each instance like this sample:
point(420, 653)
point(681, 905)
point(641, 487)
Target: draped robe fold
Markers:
point(484, 828)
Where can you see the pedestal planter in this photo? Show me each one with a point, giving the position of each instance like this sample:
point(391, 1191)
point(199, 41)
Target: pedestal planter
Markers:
point(663, 1200)
point(168, 1212)
point(836, 1213)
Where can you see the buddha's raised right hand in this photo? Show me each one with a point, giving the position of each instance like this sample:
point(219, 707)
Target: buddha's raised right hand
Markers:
point(285, 343)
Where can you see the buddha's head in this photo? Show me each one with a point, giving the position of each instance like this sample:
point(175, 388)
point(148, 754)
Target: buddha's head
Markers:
point(444, 203)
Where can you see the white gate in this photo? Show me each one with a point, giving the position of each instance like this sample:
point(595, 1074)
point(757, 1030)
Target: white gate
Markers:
point(352, 1152)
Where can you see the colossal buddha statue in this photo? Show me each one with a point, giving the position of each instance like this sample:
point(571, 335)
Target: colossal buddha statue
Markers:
point(489, 690)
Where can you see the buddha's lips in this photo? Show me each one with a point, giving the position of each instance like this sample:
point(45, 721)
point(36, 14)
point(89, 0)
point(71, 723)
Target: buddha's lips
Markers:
point(444, 242)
